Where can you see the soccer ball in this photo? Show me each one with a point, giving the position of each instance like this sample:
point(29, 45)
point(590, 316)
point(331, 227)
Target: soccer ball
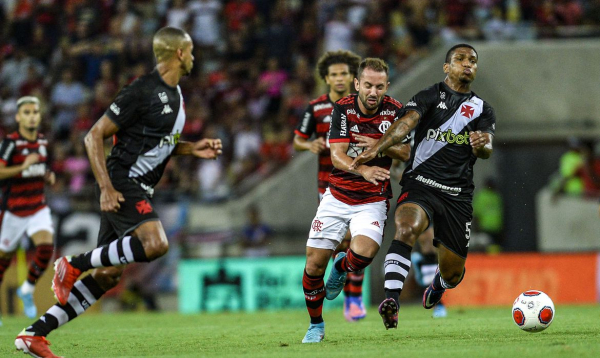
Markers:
point(533, 311)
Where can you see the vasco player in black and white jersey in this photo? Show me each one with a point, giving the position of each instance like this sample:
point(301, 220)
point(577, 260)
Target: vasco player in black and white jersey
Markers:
point(146, 120)
point(453, 127)
point(356, 199)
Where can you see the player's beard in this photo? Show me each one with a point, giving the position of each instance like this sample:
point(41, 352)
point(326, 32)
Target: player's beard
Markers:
point(367, 105)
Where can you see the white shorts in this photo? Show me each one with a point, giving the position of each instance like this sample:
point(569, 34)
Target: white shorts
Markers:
point(333, 218)
point(13, 227)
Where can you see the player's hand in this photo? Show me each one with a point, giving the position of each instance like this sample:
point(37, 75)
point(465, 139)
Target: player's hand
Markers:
point(477, 139)
point(50, 177)
point(364, 141)
point(110, 200)
point(317, 145)
point(363, 157)
point(208, 148)
point(30, 160)
point(375, 174)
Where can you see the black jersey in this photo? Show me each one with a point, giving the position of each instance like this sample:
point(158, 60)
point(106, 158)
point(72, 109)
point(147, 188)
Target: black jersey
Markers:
point(346, 121)
point(442, 157)
point(150, 115)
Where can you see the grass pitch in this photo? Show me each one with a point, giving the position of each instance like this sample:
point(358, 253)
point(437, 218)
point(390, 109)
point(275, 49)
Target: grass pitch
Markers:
point(467, 332)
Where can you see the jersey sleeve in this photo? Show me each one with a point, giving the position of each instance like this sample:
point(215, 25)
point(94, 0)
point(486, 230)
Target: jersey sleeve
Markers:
point(7, 147)
point(487, 121)
point(308, 124)
point(422, 101)
point(338, 131)
point(124, 107)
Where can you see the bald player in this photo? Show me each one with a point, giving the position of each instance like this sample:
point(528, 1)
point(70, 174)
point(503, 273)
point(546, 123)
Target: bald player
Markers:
point(146, 119)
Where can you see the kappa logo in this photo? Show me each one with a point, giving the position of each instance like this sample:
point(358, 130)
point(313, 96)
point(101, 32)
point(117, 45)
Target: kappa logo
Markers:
point(411, 104)
point(163, 97)
point(116, 110)
point(167, 109)
point(442, 105)
point(143, 207)
point(354, 129)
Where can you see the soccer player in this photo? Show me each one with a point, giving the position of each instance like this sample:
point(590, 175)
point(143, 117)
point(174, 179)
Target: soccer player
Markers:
point(356, 199)
point(146, 120)
point(454, 127)
point(23, 174)
point(337, 69)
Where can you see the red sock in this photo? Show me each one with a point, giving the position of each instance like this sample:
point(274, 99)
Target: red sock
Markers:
point(353, 262)
point(43, 254)
point(314, 294)
point(354, 283)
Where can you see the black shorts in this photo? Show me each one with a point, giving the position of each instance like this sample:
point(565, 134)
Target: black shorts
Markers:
point(451, 216)
point(135, 210)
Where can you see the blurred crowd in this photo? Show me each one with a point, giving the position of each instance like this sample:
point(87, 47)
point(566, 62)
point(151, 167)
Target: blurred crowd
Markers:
point(254, 70)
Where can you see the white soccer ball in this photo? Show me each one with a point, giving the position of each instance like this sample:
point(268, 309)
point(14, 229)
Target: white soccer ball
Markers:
point(533, 311)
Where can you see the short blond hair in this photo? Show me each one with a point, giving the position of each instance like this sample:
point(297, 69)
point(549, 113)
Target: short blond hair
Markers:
point(27, 100)
point(167, 40)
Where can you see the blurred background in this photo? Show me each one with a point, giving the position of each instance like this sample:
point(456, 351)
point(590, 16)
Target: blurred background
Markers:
point(238, 226)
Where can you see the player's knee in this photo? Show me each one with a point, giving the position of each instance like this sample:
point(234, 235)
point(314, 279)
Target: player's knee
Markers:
point(406, 234)
point(156, 248)
point(315, 268)
point(453, 277)
point(107, 277)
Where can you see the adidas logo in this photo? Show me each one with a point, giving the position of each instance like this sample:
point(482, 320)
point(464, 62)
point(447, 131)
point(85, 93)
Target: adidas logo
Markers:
point(167, 109)
point(442, 105)
point(354, 129)
point(376, 223)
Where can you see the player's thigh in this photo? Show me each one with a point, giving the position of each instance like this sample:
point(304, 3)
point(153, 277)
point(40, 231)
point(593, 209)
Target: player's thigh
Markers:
point(40, 228)
point(329, 224)
point(368, 223)
point(426, 241)
point(12, 228)
point(453, 226)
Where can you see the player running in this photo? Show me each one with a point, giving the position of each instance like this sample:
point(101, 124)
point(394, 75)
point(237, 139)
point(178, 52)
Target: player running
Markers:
point(146, 119)
point(356, 199)
point(23, 174)
point(454, 127)
point(337, 69)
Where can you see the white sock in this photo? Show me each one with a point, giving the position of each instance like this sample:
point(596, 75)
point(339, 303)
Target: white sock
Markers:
point(27, 287)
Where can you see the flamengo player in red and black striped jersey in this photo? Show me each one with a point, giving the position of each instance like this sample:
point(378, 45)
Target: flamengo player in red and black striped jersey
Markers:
point(366, 115)
point(337, 69)
point(23, 174)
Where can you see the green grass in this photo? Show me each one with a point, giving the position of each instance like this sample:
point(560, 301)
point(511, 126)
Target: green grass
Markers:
point(472, 332)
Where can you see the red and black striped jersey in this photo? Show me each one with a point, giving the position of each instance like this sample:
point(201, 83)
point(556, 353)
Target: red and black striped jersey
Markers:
point(346, 121)
point(316, 120)
point(23, 194)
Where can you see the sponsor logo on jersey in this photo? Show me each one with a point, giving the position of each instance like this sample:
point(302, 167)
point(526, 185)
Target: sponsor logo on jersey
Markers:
point(442, 105)
point(354, 129)
point(167, 109)
point(411, 104)
point(304, 126)
point(387, 112)
point(35, 170)
point(116, 110)
point(443, 95)
point(343, 132)
point(171, 139)
point(321, 106)
point(448, 136)
point(432, 183)
point(467, 111)
point(354, 150)
point(384, 126)
point(9, 149)
point(317, 225)
point(350, 111)
point(42, 150)
point(163, 97)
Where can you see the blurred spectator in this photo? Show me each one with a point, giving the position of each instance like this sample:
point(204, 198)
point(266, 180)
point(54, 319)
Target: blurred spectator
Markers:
point(15, 69)
point(338, 34)
point(255, 234)
point(66, 96)
point(77, 168)
point(178, 15)
point(206, 23)
point(488, 214)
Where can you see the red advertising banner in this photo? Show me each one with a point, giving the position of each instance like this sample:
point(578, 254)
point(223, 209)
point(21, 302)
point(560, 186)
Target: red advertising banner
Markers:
point(499, 279)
